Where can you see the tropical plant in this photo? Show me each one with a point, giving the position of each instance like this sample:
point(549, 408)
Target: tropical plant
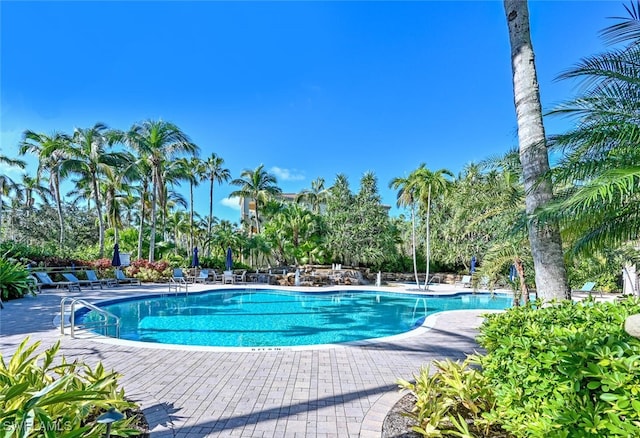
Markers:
point(564, 370)
point(598, 172)
point(544, 238)
point(14, 280)
point(257, 185)
point(50, 153)
point(6, 183)
point(316, 197)
point(215, 173)
point(157, 142)
point(43, 395)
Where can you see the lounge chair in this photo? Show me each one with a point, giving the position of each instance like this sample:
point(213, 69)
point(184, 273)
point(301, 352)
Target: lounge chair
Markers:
point(120, 278)
point(178, 280)
point(203, 276)
point(465, 281)
point(587, 287)
point(228, 277)
point(73, 279)
point(91, 275)
point(241, 277)
point(45, 280)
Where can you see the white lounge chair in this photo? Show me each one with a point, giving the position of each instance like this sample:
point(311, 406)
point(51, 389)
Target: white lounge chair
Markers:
point(228, 277)
point(465, 281)
point(241, 277)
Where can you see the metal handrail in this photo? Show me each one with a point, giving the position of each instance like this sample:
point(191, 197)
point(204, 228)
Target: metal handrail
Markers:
point(72, 320)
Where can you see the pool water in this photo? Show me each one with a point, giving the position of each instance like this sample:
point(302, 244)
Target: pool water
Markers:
point(266, 318)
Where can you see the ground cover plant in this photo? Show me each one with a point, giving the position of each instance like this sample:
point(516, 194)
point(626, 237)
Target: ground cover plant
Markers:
point(568, 370)
point(44, 395)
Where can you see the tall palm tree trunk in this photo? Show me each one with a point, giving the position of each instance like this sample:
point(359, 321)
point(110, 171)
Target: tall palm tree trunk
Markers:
point(210, 222)
point(191, 243)
point(58, 199)
point(99, 210)
point(413, 243)
point(143, 198)
point(546, 247)
point(154, 208)
point(428, 250)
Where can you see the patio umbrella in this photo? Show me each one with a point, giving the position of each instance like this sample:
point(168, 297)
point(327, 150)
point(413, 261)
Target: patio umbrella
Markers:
point(116, 256)
point(512, 273)
point(473, 264)
point(194, 261)
point(229, 259)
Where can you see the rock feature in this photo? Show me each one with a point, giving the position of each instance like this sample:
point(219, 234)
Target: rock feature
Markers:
point(632, 325)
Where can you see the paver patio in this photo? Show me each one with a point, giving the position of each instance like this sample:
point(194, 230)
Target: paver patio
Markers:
point(337, 391)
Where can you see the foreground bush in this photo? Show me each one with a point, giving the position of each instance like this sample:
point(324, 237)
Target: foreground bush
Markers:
point(14, 280)
point(39, 398)
point(564, 371)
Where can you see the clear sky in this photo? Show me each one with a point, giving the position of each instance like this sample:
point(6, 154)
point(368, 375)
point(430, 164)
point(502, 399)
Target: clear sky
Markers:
point(309, 89)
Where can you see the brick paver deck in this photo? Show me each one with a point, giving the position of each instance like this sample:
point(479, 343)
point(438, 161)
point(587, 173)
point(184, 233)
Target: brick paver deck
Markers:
point(341, 391)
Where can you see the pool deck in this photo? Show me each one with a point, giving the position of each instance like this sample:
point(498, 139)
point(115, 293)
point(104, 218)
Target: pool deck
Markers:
point(334, 391)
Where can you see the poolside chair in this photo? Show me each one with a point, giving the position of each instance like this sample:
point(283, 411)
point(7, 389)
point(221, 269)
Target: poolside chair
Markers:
point(91, 275)
point(465, 281)
point(202, 277)
point(120, 278)
point(45, 280)
point(228, 277)
point(241, 277)
point(587, 287)
point(73, 279)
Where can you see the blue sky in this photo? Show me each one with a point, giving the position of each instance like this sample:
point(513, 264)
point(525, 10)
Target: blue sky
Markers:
point(309, 89)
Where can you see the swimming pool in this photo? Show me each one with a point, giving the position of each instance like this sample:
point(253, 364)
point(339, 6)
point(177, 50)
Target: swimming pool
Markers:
point(274, 318)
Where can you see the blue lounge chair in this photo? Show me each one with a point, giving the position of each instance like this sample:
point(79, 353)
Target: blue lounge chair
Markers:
point(45, 280)
point(91, 275)
point(73, 279)
point(178, 281)
point(203, 276)
point(120, 278)
point(588, 286)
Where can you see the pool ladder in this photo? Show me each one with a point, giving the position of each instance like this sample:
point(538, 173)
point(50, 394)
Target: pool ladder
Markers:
point(103, 321)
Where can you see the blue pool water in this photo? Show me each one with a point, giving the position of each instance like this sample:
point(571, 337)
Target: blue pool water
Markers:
point(266, 318)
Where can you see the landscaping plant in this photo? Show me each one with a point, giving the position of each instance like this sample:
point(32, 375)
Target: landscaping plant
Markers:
point(14, 280)
point(44, 397)
point(564, 371)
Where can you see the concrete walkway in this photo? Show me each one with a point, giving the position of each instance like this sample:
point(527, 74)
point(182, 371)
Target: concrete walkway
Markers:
point(339, 391)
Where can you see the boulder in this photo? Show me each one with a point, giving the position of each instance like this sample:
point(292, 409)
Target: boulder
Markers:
point(632, 325)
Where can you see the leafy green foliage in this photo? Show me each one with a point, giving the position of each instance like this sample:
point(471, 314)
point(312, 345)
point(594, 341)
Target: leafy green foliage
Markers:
point(564, 371)
point(145, 270)
point(42, 396)
point(445, 398)
point(14, 280)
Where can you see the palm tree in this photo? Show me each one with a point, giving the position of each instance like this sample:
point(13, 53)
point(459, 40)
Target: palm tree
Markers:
point(257, 185)
point(599, 173)
point(88, 157)
point(407, 196)
point(546, 246)
point(50, 152)
point(31, 186)
point(6, 183)
point(191, 170)
point(315, 197)
point(157, 142)
point(215, 173)
point(428, 183)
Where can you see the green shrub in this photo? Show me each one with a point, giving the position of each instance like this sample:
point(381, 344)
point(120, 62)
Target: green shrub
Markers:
point(40, 398)
point(145, 270)
point(446, 399)
point(14, 281)
point(564, 371)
